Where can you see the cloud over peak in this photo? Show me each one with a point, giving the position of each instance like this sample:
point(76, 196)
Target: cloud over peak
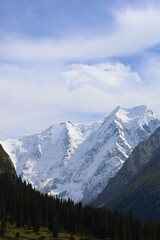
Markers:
point(48, 69)
point(104, 76)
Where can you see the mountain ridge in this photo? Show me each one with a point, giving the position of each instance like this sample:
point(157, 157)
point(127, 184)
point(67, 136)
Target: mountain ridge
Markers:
point(135, 188)
point(77, 160)
point(141, 195)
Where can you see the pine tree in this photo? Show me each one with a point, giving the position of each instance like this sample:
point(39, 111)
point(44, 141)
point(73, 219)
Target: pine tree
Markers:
point(71, 237)
point(55, 232)
point(3, 228)
point(23, 204)
point(17, 235)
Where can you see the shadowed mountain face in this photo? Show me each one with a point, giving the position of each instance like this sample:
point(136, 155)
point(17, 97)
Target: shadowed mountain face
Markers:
point(6, 165)
point(136, 186)
point(142, 195)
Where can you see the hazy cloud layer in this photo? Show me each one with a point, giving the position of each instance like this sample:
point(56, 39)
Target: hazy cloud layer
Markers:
point(134, 30)
point(48, 79)
point(97, 91)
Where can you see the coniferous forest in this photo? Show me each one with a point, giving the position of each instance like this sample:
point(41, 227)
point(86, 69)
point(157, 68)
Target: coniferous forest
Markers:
point(23, 205)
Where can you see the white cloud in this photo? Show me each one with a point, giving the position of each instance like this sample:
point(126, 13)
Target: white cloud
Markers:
point(98, 89)
point(33, 91)
point(105, 76)
point(133, 31)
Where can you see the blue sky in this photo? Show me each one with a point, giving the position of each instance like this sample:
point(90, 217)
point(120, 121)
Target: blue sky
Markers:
point(76, 60)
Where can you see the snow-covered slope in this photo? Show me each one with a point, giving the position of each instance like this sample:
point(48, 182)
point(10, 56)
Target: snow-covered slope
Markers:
point(77, 160)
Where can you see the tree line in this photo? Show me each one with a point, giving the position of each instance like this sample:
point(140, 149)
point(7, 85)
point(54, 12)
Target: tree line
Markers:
point(23, 205)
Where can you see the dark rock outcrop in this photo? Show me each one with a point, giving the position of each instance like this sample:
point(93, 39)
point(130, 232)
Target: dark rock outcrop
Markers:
point(6, 165)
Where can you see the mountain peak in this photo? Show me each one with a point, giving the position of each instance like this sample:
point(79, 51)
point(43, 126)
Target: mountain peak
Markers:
point(77, 160)
point(131, 116)
point(66, 123)
point(135, 111)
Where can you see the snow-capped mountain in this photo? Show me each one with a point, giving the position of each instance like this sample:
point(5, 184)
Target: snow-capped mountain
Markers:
point(40, 158)
point(77, 160)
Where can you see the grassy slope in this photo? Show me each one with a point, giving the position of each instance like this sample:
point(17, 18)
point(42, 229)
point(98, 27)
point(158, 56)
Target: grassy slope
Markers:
point(43, 234)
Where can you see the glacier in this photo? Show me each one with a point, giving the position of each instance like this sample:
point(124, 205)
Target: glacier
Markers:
point(77, 160)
